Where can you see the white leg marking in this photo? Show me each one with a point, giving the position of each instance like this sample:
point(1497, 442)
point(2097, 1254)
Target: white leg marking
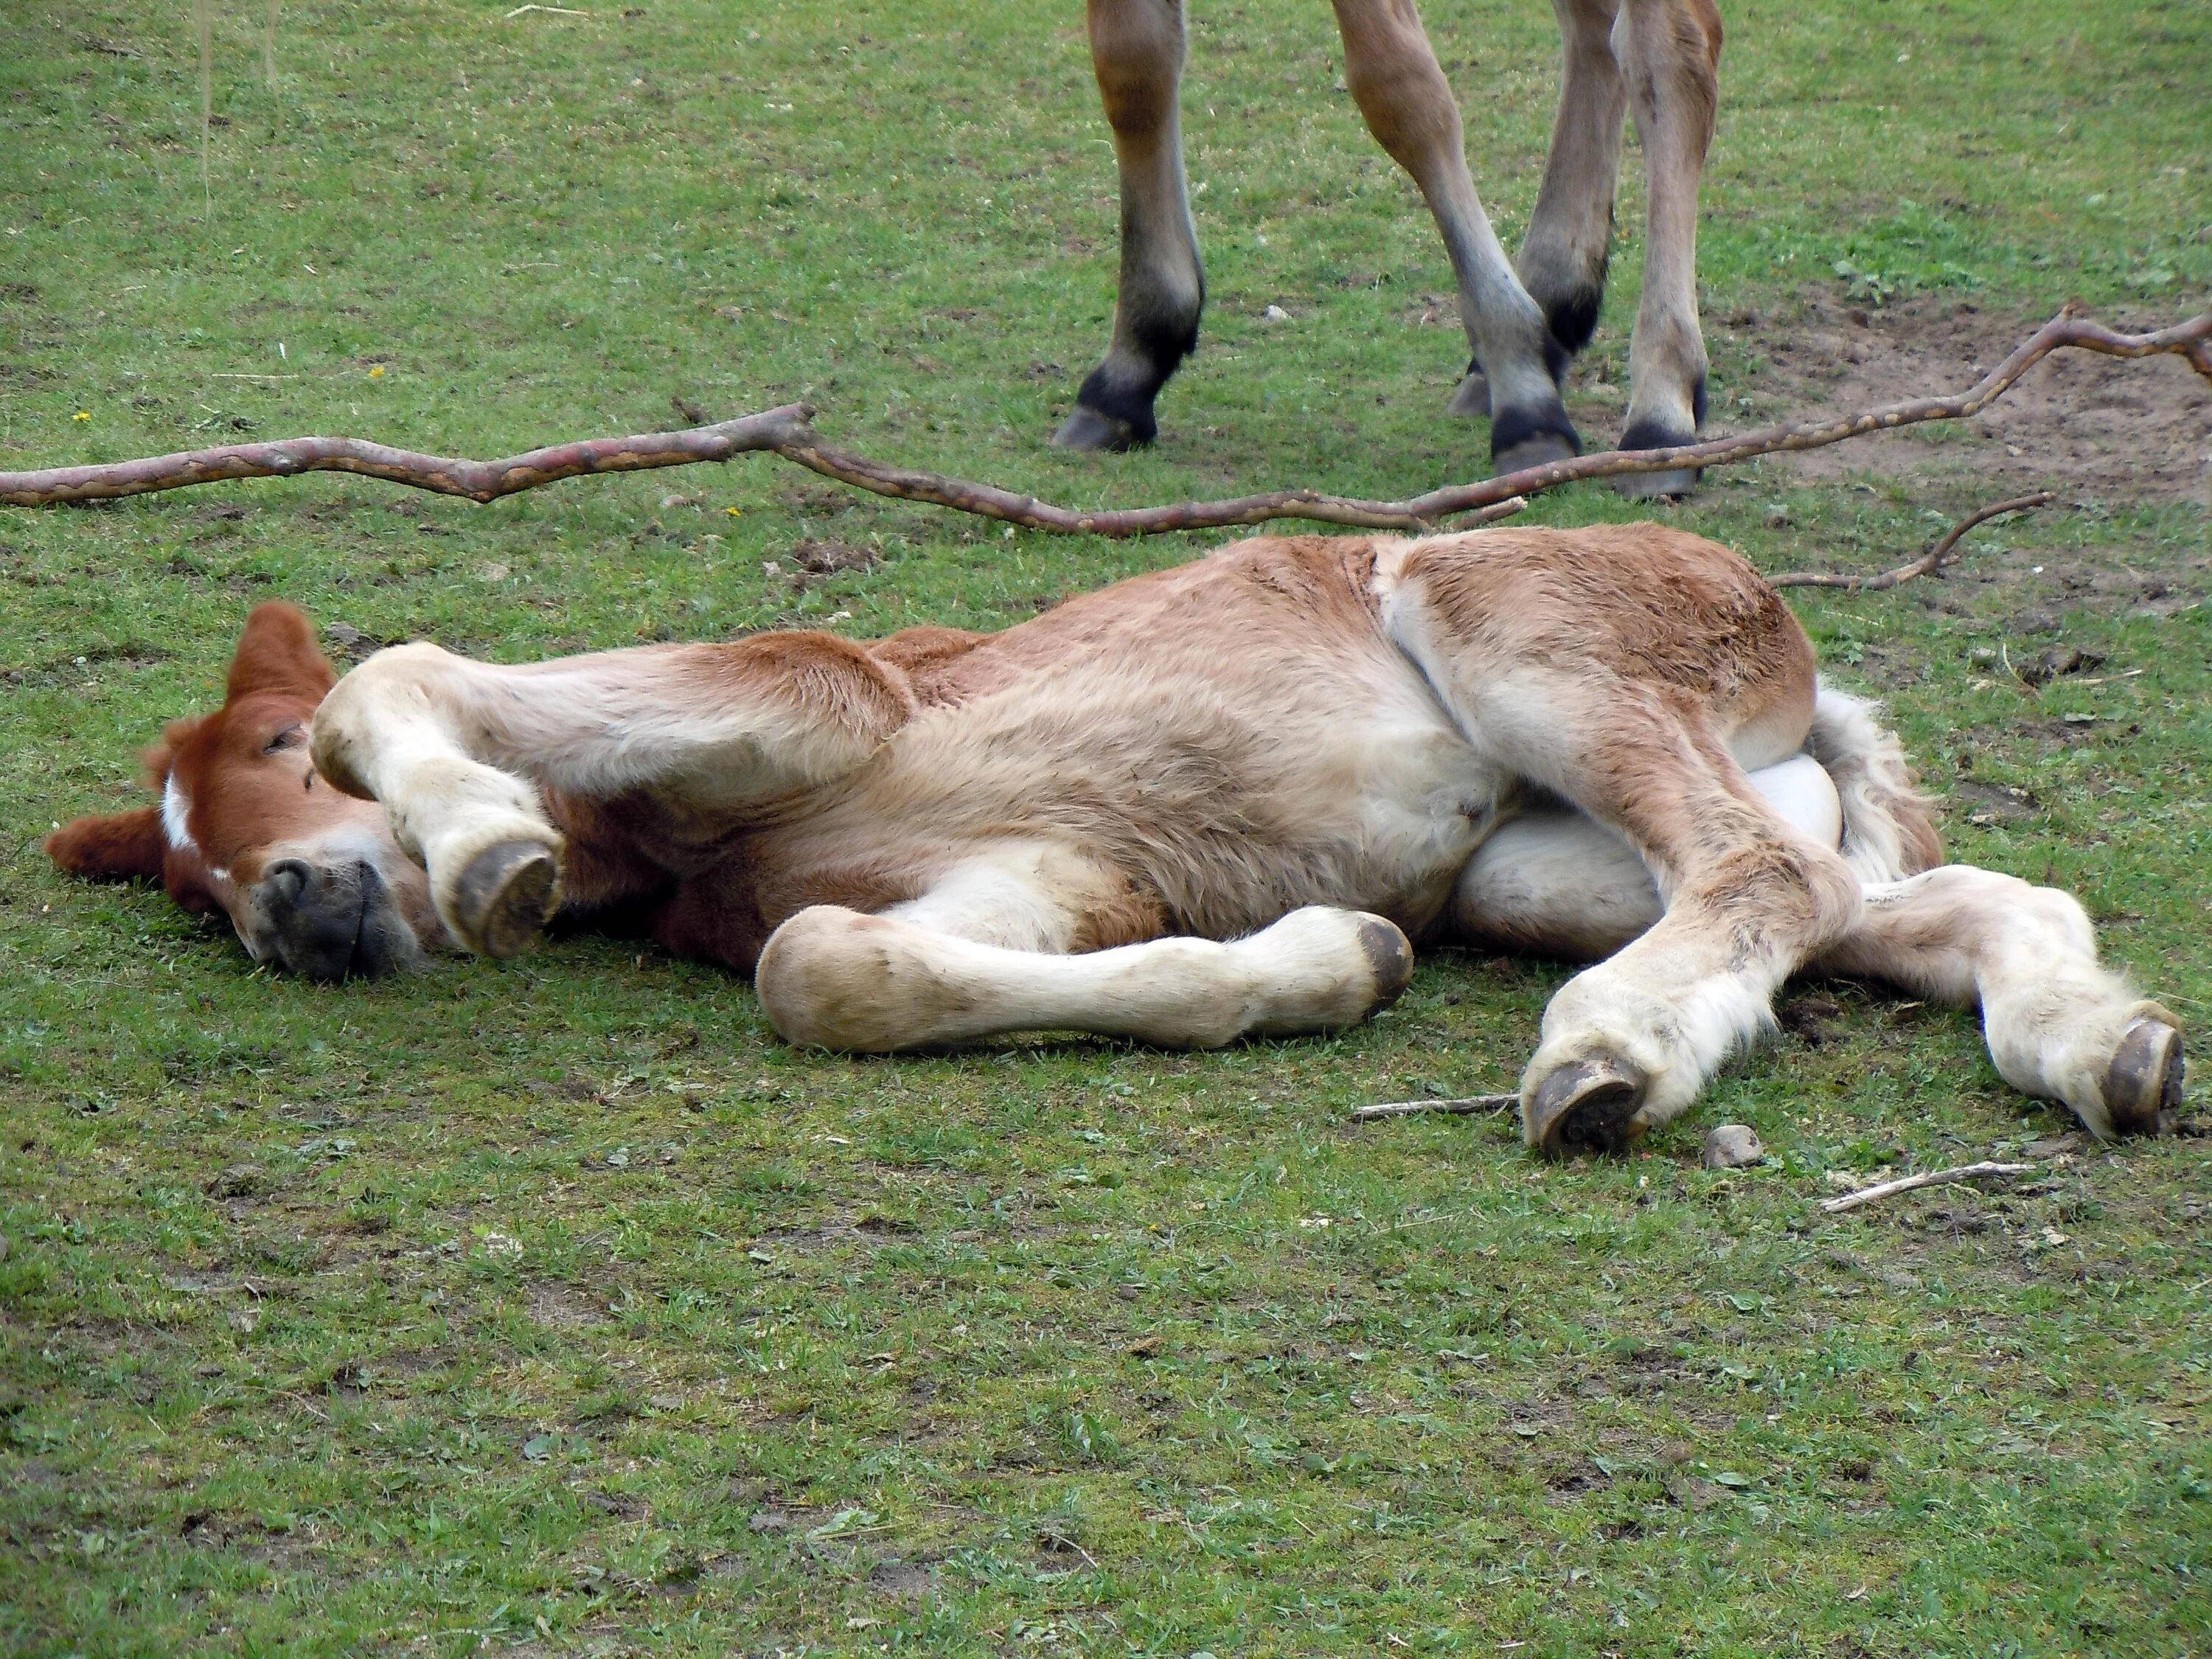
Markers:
point(838, 979)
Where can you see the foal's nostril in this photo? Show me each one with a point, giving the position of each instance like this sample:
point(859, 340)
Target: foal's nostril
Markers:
point(289, 879)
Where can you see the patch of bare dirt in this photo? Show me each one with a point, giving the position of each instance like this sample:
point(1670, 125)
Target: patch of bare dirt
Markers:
point(2082, 424)
point(563, 1308)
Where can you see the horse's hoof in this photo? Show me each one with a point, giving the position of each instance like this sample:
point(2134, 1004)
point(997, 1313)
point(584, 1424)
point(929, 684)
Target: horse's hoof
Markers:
point(505, 896)
point(1585, 1106)
point(1090, 432)
point(1670, 485)
point(1472, 400)
point(1389, 957)
point(1531, 437)
point(2142, 1086)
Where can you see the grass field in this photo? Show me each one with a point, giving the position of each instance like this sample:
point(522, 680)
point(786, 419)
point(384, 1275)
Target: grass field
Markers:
point(555, 1308)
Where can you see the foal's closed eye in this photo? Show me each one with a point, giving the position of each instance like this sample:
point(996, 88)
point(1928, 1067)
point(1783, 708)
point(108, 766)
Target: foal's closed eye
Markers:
point(289, 737)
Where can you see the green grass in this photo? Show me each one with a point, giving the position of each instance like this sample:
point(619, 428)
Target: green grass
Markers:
point(556, 1307)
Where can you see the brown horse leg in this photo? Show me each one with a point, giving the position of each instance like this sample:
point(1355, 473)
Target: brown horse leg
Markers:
point(1562, 259)
point(1394, 76)
point(1670, 55)
point(1137, 52)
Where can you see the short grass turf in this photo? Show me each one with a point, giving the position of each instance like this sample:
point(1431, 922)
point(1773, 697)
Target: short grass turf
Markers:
point(557, 1308)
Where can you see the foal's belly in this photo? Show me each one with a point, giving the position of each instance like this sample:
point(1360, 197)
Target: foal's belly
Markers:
point(1378, 810)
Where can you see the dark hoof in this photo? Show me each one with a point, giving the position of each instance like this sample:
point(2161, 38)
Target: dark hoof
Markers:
point(1091, 432)
point(1584, 1108)
point(1524, 437)
point(1472, 400)
point(2142, 1086)
point(507, 893)
point(1390, 958)
point(1670, 486)
point(1657, 486)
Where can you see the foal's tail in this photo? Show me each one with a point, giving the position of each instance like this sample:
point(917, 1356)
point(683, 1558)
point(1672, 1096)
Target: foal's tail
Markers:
point(1887, 831)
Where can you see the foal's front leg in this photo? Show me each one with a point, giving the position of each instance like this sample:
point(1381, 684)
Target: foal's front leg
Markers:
point(834, 978)
point(459, 751)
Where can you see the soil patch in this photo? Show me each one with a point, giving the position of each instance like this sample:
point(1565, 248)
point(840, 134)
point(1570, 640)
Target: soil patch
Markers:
point(2082, 424)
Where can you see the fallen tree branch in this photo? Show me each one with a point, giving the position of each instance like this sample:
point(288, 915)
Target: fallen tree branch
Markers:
point(787, 432)
point(1984, 1172)
point(1463, 1106)
point(1926, 565)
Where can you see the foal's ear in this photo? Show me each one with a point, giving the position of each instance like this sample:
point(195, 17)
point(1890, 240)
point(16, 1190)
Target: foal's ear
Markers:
point(120, 848)
point(278, 653)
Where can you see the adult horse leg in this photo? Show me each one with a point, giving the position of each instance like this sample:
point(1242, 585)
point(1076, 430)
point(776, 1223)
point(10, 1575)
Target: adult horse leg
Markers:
point(1137, 52)
point(1563, 257)
point(1394, 76)
point(1670, 55)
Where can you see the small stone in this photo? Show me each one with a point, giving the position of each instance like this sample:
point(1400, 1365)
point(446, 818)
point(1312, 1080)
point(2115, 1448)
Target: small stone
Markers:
point(1275, 314)
point(1731, 1146)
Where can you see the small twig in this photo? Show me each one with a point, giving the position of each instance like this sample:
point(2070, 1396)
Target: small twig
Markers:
point(1926, 565)
point(1065, 1542)
point(1984, 1172)
point(1462, 1106)
point(787, 432)
point(557, 11)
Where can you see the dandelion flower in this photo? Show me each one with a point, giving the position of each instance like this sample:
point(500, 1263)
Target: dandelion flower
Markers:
point(735, 512)
point(377, 373)
point(82, 414)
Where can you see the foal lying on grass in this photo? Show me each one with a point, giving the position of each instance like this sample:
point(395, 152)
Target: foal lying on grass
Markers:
point(1222, 800)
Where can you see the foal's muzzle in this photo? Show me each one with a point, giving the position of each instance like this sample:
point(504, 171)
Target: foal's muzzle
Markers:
point(331, 921)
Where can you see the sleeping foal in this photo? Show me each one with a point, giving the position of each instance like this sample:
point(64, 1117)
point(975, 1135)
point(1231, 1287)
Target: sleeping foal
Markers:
point(1223, 801)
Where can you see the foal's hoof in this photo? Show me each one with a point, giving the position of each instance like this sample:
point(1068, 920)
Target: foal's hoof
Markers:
point(1584, 1107)
point(1390, 958)
point(505, 895)
point(2142, 1086)
point(1087, 430)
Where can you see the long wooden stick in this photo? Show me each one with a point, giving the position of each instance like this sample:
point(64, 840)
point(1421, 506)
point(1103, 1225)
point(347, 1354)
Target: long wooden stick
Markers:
point(1926, 565)
point(1983, 1171)
point(1462, 1106)
point(788, 432)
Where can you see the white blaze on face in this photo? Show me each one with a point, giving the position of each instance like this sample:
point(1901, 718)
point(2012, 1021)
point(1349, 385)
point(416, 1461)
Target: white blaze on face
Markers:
point(176, 825)
point(176, 815)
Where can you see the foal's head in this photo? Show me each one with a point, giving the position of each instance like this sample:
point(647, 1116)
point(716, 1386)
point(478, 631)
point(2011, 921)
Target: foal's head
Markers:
point(311, 879)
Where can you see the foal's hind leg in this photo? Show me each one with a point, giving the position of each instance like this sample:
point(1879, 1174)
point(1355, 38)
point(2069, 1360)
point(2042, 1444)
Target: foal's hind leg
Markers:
point(2058, 1024)
point(1137, 52)
point(1628, 1044)
point(1394, 76)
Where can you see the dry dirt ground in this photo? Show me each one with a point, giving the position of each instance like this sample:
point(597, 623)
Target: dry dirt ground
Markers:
point(2088, 426)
